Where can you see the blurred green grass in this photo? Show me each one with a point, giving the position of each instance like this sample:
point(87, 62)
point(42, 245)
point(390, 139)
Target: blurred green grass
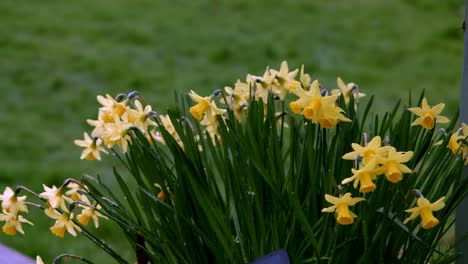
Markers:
point(56, 56)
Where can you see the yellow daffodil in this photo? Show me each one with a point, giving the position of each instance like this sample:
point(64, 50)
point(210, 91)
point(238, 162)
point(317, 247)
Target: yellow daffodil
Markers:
point(63, 222)
point(284, 81)
point(139, 117)
point(92, 147)
point(117, 133)
point(89, 212)
point(454, 143)
point(237, 98)
point(370, 151)
point(98, 127)
point(331, 115)
point(305, 79)
point(110, 108)
point(365, 177)
point(11, 203)
point(167, 123)
point(74, 190)
point(311, 104)
point(263, 85)
point(205, 106)
point(55, 197)
point(346, 90)
point(13, 223)
point(392, 164)
point(428, 116)
point(424, 209)
point(341, 207)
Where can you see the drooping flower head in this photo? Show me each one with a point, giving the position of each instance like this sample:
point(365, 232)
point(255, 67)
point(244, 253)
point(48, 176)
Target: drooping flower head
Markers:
point(263, 84)
point(140, 117)
point(12, 203)
point(55, 197)
point(89, 212)
point(341, 207)
point(424, 209)
point(428, 116)
point(64, 221)
point(13, 223)
point(205, 106)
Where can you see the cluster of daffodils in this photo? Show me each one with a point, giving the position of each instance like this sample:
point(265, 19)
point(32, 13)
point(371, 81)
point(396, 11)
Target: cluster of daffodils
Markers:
point(61, 205)
point(116, 117)
point(313, 101)
point(373, 160)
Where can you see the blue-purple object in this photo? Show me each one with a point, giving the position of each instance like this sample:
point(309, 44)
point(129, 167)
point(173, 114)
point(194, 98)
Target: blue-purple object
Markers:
point(277, 257)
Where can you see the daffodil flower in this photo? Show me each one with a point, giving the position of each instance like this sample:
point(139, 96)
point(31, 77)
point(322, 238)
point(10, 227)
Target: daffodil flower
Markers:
point(74, 191)
point(365, 177)
point(11, 203)
point(55, 197)
point(110, 108)
point(428, 116)
point(237, 98)
point(305, 79)
point(92, 147)
point(263, 84)
point(346, 90)
point(63, 222)
point(89, 212)
point(285, 82)
point(331, 115)
point(341, 207)
point(311, 103)
point(139, 117)
point(392, 164)
point(13, 223)
point(424, 209)
point(117, 133)
point(204, 107)
point(370, 151)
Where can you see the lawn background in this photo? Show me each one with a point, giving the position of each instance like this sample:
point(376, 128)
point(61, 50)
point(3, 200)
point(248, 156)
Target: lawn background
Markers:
point(56, 56)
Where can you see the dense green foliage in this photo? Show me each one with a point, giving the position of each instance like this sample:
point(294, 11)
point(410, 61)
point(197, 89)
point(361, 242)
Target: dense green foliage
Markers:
point(57, 56)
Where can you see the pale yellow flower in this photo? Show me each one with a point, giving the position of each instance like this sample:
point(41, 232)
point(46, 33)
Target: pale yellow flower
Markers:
point(341, 207)
point(237, 98)
point(428, 116)
point(331, 116)
point(13, 223)
point(263, 85)
point(117, 133)
point(305, 79)
point(392, 164)
point(424, 209)
point(63, 222)
point(140, 117)
point(284, 80)
point(370, 151)
point(89, 212)
point(346, 90)
point(92, 147)
point(11, 203)
point(55, 197)
point(74, 190)
point(110, 108)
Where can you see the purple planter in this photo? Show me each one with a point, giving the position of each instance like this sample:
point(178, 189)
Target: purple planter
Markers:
point(277, 257)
